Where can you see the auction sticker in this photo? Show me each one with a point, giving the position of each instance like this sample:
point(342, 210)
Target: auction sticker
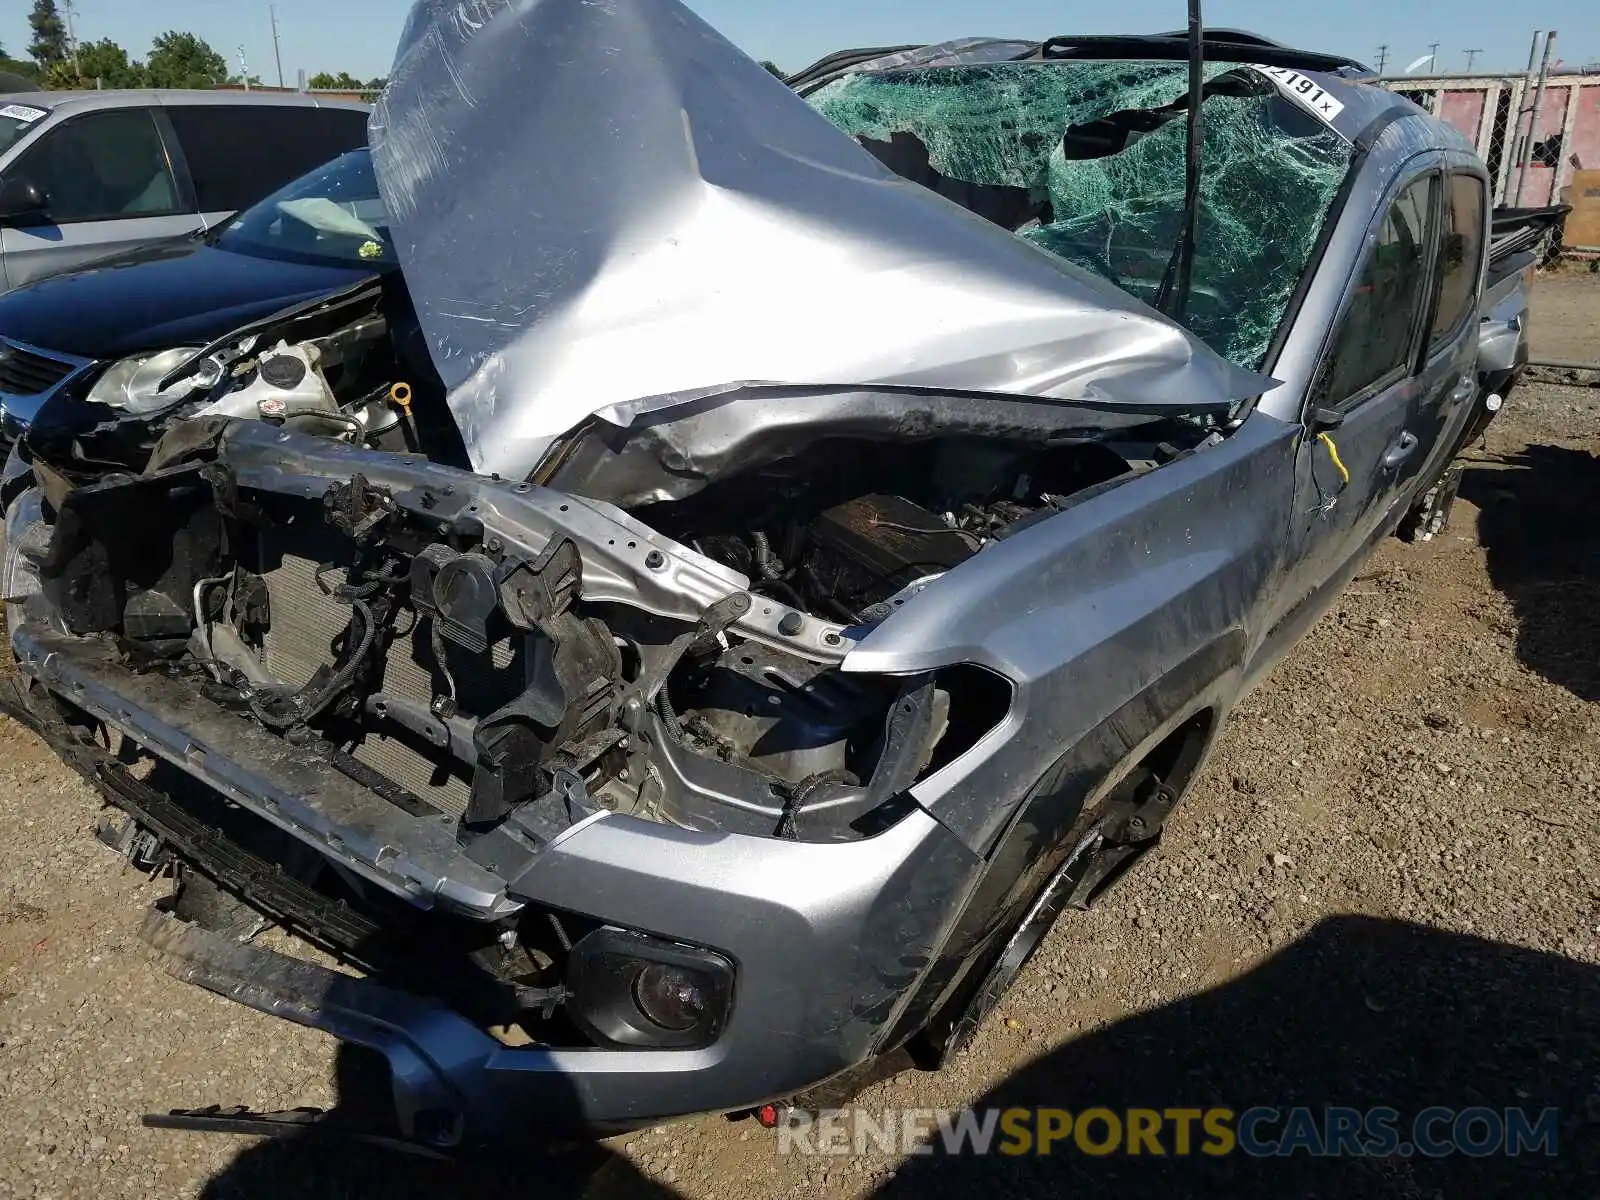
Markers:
point(1307, 93)
point(22, 112)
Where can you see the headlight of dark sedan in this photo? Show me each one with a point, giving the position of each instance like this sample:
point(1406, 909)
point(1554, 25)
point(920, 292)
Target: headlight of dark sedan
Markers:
point(132, 384)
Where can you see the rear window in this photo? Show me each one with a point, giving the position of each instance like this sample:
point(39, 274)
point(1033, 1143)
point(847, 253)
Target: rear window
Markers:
point(1027, 145)
point(1461, 256)
point(239, 153)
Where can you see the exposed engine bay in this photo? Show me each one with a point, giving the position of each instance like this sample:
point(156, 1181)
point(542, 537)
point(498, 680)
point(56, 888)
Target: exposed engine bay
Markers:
point(350, 366)
point(414, 626)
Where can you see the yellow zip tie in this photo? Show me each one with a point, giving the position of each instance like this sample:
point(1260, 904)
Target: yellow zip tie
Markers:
point(1333, 453)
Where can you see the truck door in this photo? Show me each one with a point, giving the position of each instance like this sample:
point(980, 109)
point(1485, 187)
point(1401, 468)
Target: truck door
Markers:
point(1364, 445)
point(1449, 366)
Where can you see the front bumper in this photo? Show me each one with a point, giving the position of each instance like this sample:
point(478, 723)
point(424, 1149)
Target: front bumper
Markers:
point(829, 941)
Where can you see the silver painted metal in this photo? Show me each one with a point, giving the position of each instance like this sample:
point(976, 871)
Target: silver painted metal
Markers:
point(706, 227)
point(614, 545)
point(1138, 612)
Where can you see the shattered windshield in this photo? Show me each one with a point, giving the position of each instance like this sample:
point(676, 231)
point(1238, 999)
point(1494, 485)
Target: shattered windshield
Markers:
point(995, 138)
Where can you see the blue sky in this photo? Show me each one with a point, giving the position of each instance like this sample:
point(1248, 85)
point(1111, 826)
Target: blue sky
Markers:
point(359, 35)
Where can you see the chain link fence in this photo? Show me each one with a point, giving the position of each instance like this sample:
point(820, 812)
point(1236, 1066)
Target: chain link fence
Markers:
point(1523, 125)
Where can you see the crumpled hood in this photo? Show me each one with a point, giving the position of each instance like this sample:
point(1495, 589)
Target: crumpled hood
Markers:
point(601, 205)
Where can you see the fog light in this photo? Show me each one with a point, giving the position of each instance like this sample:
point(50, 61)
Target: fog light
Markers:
point(670, 996)
point(632, 989)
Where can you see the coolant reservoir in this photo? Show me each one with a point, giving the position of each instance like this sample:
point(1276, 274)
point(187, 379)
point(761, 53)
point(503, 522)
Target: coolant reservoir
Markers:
point(287, 384)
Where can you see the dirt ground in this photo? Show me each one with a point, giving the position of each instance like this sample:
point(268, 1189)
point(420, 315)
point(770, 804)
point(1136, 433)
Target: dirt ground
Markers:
point(1385, 890)
point(1563, 328)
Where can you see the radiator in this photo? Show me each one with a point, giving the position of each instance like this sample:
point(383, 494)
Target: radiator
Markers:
point(305, 627)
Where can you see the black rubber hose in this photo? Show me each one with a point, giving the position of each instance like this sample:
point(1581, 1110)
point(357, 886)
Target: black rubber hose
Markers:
point(770, 565)
point(669, 718)
point(305, 707)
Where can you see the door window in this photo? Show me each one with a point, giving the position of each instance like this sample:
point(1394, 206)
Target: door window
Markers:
point(239, 153)
point(1461, 255)
point(102, 166)
point(1373, 344)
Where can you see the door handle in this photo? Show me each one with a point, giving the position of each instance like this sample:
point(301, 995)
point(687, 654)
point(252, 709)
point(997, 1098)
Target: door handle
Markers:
point(1404, 447)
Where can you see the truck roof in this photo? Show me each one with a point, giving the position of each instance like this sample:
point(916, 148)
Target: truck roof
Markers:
point(1359, 108)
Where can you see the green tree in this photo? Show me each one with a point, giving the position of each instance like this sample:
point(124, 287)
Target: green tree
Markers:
point(60, 77)
point(17, 66)
point(49, 45)
point(343, 81)
point(182, 60)
point(774, 68)
point(104, 63)
point(21, 67)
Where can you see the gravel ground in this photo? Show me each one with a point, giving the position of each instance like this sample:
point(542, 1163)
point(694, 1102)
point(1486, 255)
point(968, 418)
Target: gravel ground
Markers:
point(1385, 889)
point(1564, 325)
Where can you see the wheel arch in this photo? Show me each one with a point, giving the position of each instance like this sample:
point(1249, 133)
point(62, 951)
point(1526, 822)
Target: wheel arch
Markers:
point(1170, 726)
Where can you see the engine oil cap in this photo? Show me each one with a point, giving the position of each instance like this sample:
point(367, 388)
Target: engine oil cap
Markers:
point(272, 406)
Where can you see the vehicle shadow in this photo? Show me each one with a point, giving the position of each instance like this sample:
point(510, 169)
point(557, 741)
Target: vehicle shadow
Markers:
point(1539, 523)
point(335, 1168)
point(1361, 1012)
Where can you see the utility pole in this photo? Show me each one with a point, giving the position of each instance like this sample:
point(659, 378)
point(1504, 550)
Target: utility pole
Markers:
point(272, 11)
point(1471, 54)
point(1433, 58)
point(1383, 58)
point(72, 38)
point(244, 68)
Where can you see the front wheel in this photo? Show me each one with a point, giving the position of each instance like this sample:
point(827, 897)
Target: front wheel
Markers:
point(1103, 846)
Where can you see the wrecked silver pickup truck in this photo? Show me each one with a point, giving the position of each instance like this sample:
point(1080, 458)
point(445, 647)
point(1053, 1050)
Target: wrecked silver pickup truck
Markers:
point(686, 632)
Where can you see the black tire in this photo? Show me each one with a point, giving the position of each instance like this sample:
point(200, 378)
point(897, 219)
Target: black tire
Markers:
point(1102, 847)
point(1128, 821)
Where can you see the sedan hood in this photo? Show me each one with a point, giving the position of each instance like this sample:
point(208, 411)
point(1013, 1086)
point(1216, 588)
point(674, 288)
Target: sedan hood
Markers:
point(607, 209)
point(152, 297)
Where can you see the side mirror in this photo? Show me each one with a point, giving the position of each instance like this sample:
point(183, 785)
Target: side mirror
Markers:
point(21, 199)
point(1324, 420)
